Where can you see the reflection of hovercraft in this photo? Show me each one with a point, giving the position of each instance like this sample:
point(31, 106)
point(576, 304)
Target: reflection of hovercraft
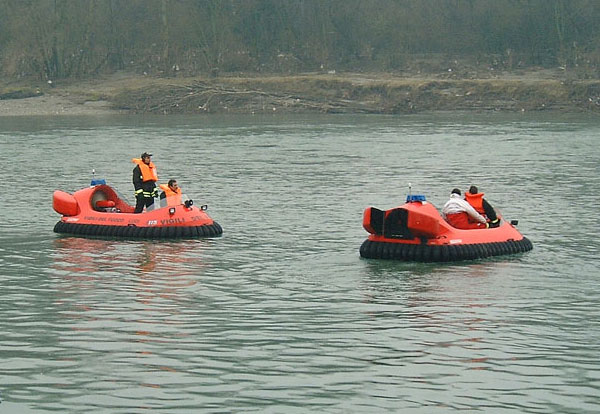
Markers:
point(417, 232)
point(99, 211)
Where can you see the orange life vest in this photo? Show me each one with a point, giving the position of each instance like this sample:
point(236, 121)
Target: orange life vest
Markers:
point(476, 200)
point(173, 197)
point(148, 170)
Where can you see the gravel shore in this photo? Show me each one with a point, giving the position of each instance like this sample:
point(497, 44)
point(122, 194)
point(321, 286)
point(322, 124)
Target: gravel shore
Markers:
point(47, 105)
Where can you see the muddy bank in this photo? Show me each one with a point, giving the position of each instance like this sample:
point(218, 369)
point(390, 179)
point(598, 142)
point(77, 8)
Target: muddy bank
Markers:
point(360, 95)
point(46, 105)
point(319, 93)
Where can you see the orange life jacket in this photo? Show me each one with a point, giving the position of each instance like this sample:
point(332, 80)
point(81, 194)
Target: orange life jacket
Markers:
point(476, 200)
point(173, 197)
point(148, 170)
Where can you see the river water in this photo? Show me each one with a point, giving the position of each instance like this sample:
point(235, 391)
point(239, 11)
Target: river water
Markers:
point(280, 314)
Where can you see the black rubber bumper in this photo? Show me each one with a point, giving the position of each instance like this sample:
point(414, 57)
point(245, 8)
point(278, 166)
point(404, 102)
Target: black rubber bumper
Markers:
point(443, 253)
point(133, 232)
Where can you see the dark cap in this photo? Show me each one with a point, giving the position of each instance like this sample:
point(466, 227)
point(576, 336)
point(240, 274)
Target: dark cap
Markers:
point(455, 191)
point(145, 154)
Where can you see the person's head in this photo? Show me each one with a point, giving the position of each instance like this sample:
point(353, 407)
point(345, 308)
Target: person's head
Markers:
point(473, 189)
point(173, 185)
point(146, 157)
point(455, 191)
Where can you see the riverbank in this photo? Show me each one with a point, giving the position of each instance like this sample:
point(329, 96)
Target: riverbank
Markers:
point(48, 104)
point(377, 93)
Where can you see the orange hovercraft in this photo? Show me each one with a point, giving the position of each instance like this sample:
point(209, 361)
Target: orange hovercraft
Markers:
point(99, 211)
point(416, 232)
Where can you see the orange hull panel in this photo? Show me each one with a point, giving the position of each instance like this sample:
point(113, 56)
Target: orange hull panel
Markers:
point(101, 206)
point(416, 231)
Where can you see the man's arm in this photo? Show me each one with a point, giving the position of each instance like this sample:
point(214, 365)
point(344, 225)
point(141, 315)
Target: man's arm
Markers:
point(473, 213)
point(489, 210)
point(137, 178)
point(137, 182)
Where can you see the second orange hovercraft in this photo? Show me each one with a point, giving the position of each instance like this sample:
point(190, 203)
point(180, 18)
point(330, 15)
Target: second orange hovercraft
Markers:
point(99, 211)
point(416, 232)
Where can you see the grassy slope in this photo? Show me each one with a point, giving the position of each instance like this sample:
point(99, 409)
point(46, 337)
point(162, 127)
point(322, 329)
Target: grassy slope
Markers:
point(330, 93)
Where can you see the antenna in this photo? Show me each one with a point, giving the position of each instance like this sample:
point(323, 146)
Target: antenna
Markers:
point(96, 181)
point(410, 198)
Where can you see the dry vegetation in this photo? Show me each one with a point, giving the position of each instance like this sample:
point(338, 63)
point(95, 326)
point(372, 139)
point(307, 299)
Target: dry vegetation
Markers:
point(382, 93)
point(358, 93)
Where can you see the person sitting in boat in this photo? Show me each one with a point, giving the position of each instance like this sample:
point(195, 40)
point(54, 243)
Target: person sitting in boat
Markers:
point(145, 177)
point(482, 206)
point(171, 192)
point(461, 214)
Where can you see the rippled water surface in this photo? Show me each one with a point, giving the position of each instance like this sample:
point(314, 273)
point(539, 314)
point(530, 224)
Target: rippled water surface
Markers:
point(280, 314)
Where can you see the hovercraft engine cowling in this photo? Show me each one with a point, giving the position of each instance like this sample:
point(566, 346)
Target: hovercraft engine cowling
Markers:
point(64, 203)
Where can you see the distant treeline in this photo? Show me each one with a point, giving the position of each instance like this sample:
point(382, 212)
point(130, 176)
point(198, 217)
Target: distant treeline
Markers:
point(53, 39)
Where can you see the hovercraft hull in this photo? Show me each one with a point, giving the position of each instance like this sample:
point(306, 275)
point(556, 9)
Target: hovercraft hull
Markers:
point(99, 211)
point(416, 232)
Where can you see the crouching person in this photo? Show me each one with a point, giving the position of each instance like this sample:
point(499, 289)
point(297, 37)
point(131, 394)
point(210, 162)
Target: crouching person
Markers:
point(171, 193)
point(460, 214)
point(482, 206)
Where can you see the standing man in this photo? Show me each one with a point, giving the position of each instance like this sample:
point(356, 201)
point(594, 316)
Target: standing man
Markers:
point(144, 182)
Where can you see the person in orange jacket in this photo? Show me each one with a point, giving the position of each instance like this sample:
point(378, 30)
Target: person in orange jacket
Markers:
point(475, 199)
point(171, 192)
point(144, 182)
point(461, 214)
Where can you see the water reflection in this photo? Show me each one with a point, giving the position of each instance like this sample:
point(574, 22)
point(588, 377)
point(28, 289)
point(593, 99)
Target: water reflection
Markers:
point(166, 271)
point(124, 304)
point(150, 268)
point(81, 256)
point(458, 306)
point(92, 255)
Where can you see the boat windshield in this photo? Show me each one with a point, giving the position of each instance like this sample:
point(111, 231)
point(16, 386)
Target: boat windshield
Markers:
point(123, 197)
point(158, 202)
point(171, 201)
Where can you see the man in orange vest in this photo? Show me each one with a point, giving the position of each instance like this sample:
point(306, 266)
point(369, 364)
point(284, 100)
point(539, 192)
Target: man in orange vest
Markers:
point(172, 192)
point(144, 182)
point(480, 204)
point(461, 214)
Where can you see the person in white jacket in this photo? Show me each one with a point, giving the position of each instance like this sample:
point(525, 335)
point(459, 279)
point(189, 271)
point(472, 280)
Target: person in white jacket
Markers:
point(460, 214)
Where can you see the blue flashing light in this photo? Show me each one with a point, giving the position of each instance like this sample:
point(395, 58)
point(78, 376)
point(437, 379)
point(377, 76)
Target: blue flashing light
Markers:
point(97, 181)
point(411, 198)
